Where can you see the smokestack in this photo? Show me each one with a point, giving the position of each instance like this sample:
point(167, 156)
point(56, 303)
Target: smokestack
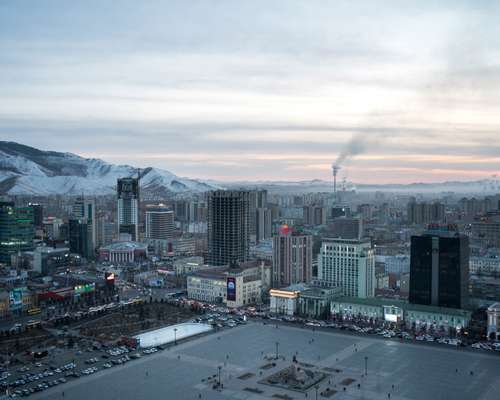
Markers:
point(335, 170)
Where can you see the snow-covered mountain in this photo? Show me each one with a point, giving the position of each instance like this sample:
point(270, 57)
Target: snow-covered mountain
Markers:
point(25, 170)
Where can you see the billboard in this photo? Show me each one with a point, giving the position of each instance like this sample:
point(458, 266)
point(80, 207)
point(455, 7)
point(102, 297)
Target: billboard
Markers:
point(87, 288)
point(231, 289)
point(16, 298)
point(109, 277)
point(393, 314)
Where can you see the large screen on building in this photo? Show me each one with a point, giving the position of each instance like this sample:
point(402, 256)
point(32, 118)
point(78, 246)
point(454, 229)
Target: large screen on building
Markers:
point(231, 289)
point(16, 298)
point(109, 277)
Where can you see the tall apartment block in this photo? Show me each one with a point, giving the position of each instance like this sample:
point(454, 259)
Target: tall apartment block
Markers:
point(159, 227)
point(228, 227)
point(348, 264)
point(292, 258)
point(424, 213)
point(257, 200)
point(128, 207)
point(314, 215)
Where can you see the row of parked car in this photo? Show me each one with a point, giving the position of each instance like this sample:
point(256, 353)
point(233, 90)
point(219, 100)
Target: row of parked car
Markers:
point(16, 387)
point(38, 388)
point(495, 346)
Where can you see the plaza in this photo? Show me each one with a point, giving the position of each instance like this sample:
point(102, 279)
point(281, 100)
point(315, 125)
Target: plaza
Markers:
point(357, 368)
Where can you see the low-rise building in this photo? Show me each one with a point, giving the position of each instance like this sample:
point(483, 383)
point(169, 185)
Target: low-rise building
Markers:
point(208, 286)
point(235, 287)
point(47, 259)
point(314, 302)
point(123, 252)
point(187, 265)
point(414, 316)
point(150, 279)
point(285, 301)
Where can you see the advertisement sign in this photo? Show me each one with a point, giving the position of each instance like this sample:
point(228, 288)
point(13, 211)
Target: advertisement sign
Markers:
point(16, 298)
point(393, 314)
point(88, 288)
point(109, 277)
point(231, 289)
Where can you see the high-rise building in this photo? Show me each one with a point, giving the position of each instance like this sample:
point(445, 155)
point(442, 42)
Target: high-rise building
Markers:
point(84, 209)
point(347, 228)
point(439, 269)
point(348, 264)
point(424, 213)
point(486, 230)
point(80, 238)
point(314, 215)
point(159, 222)
point(128, 207)
point(292, 258)
point(159, 227)
point(228, 227)
point(16, 230)
point(264, 224)
point(106, 231)
point(37, 215)
point(257, 199)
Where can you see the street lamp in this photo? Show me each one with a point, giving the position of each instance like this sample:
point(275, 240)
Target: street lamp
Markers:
point(175, 336)
point(277, 349)
point(219, 368)
point(366, 365)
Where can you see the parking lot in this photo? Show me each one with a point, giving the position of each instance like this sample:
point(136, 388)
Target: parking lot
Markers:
point(405, 370)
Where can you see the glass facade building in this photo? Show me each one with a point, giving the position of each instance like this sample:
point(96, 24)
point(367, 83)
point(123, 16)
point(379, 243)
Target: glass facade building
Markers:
point(16, 230)
point(439, 270)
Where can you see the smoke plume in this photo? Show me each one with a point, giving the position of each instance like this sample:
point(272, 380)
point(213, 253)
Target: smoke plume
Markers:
point(355, 146)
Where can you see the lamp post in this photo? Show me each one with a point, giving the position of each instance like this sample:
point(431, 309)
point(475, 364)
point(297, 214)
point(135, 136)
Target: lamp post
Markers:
point(277, 349)
point(366, 365)
point(175, 336)
point(219, 369)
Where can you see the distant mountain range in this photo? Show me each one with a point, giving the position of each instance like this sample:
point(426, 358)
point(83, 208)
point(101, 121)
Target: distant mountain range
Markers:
point(25, 170)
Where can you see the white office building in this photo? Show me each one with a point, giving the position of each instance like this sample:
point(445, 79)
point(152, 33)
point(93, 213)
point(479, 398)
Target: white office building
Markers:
point(348, 264)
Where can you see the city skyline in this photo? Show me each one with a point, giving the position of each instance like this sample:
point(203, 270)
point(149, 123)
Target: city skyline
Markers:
point(254, 91)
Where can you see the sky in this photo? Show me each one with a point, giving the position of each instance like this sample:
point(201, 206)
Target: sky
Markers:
point(399, 91)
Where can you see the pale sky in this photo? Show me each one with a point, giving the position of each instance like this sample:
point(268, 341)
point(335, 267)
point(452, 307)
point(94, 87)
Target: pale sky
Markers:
point(258, 90)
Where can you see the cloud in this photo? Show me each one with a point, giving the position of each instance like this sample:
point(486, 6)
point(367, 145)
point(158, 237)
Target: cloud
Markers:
point(246, 90)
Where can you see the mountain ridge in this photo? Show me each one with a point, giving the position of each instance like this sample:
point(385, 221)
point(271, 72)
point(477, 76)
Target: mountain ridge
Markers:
point(25, 170)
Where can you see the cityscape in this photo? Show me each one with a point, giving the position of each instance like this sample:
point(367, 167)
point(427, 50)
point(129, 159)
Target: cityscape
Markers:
point(249, 200)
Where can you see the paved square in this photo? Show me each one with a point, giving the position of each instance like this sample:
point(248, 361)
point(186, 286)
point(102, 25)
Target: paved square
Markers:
point(190, 370)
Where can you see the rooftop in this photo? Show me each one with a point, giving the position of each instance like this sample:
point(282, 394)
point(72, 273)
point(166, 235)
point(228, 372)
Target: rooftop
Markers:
point(171, 333)
point(122, 246)
point(381, 301)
